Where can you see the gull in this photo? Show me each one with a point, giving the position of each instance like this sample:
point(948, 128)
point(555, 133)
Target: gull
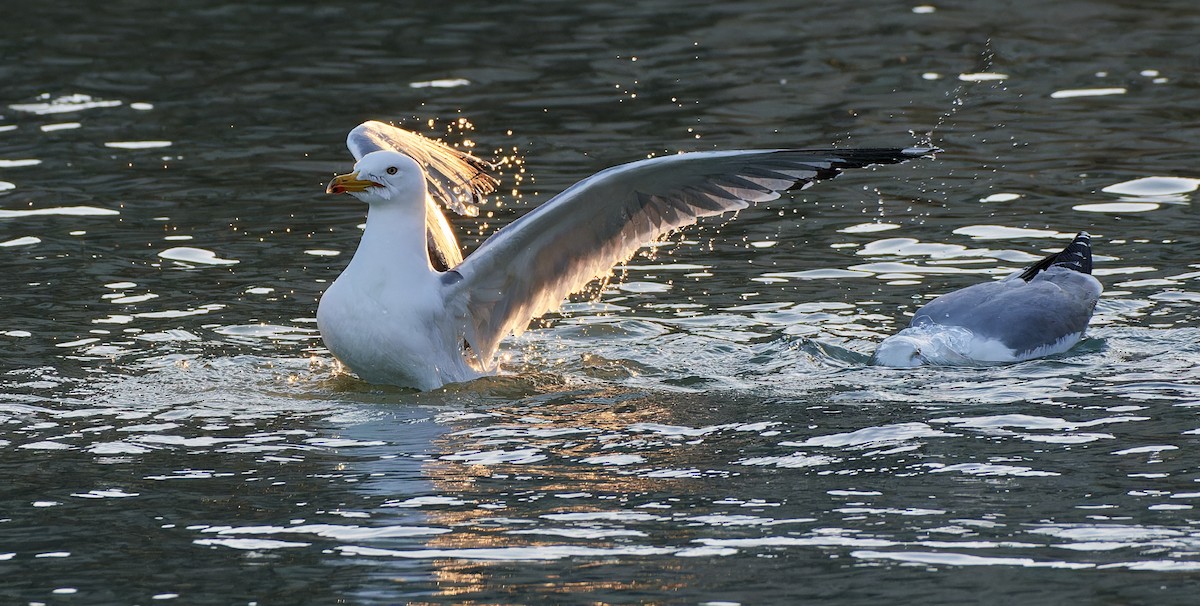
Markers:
point(409, 310)
point(1038, 311)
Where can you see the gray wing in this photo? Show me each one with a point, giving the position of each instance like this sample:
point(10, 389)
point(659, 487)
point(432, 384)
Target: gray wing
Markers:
point(529, 267)
point(456, 179)
point(1023, 315)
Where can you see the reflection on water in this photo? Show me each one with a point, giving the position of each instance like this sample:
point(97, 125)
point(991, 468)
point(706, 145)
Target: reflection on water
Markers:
point(818, 459)
point(704, 427)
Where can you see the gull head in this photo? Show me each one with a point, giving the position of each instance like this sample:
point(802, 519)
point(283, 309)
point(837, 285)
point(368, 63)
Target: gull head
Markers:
point(380, 177)
point(898, 351)
point(936, 344)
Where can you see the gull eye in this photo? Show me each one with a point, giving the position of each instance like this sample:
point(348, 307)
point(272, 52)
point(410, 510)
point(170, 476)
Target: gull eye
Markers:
point(391, 170)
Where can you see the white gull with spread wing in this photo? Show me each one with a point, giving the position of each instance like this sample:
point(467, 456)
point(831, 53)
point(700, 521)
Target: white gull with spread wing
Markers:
point(410, 311)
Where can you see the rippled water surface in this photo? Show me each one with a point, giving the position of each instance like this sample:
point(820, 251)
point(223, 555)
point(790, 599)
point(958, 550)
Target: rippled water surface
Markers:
point(705, 428)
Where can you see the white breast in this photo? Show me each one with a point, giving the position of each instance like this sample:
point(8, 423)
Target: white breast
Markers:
point(390, 332)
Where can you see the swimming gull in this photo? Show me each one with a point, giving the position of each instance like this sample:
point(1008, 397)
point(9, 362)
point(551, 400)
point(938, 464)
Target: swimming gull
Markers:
point(1041, 310)
point(409, 310)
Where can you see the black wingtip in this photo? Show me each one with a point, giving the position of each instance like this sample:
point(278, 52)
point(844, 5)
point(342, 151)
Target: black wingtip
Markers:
point(1076, 256)
point(868, 156)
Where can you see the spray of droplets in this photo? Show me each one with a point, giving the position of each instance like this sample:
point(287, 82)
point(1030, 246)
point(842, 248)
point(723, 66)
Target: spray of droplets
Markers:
point(506, 163)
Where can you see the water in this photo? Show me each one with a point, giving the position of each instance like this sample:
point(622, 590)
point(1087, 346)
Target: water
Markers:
point(705, 430)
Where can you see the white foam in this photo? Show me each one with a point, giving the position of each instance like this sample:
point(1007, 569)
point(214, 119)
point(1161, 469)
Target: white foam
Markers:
point(62, 105)
point(874, 435)
point(201, 256)
point(989, 469)
point(982, 77)
point(543, 552)
point(1087, 92)
point(614, 459)
point(342, 532)
point(77, 211)
point(137, 144)
point(1154, 186)
point(250, 544)
point(22, 241)
point(961, 559)
point(442, 83)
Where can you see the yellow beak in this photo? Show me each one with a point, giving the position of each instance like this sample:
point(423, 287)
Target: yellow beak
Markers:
point(348, 183)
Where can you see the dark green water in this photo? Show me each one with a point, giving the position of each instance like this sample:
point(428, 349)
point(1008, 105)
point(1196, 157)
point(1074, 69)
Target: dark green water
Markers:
point(706, 430)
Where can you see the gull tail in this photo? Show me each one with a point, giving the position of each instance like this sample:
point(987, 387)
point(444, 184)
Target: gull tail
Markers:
point(1077, 256)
